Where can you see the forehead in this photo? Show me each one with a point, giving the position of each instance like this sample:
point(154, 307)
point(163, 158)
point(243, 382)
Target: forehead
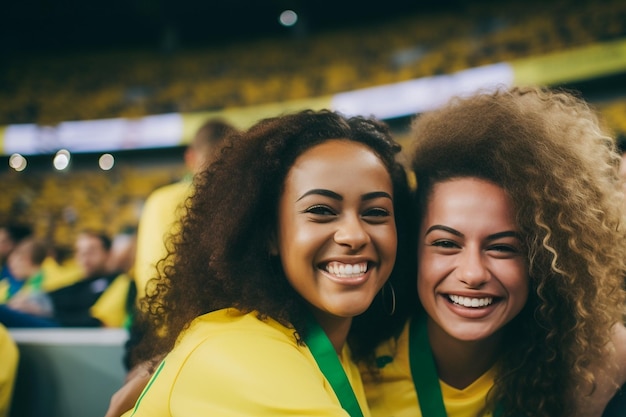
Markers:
point(459, 198)
point(338, 159)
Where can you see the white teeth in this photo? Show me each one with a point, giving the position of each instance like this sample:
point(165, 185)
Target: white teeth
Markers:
point(346, 270)
point(471, 302)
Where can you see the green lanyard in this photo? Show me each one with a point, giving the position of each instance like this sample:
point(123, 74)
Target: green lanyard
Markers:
point(326, 358)
point(424, 372)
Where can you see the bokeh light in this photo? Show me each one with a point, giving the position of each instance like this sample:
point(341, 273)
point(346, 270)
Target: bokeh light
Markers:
point(288, 18)
point(61, 160)
point(106, 161)
point(17, 162)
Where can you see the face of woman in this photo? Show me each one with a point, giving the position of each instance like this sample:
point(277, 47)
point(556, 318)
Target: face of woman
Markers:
point(336, 230)
point(472, 274)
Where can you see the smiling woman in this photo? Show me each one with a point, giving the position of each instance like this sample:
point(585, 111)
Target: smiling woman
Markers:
point(520, 264)
point(473, 278)
point(289, 236)
point(336, 236)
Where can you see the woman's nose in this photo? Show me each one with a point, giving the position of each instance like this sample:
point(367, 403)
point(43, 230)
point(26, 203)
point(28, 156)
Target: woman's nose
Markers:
point(351, 232)
point(472, 270)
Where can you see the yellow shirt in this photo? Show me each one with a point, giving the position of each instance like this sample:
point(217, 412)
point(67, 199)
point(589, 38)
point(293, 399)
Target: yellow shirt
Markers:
point(230, 364)
point(9, 357)
point(394, 395)
point(110, 308)
point(60, 275)
point(158, 220)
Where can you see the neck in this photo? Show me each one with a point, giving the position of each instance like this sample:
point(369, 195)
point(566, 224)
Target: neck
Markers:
point(460, 362)
point(336, 329)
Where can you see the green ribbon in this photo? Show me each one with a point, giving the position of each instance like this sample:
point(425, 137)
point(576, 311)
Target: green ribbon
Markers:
point(424, 372)
point(328, 362)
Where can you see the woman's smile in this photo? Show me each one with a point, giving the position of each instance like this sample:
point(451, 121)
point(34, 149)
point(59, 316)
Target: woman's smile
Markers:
point(337, 237)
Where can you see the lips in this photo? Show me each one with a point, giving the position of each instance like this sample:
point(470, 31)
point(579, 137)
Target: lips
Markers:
point(346, 273)
point(472, 307)
point(470, 302)
point(346, 270)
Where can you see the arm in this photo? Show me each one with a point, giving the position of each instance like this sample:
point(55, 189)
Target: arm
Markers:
point(126, 397)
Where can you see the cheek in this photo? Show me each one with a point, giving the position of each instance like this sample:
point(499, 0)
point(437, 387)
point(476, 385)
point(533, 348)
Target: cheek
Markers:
point(390, 239)
point(429, 269)
point(426, 279)
point(295, 238)
point(298, 246)
point(518, 286)
point(386, 240)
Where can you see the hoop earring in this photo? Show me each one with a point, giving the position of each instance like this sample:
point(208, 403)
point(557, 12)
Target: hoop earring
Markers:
point(391, 310)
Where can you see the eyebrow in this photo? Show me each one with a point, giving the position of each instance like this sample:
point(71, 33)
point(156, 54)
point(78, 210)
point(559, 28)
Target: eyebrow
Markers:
point(495, 236)
point(335, 196)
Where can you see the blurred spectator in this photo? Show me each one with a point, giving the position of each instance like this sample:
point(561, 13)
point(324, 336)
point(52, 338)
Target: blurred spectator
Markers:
point(10, 236)
point(123, 249)
point(163, 208)
point(120, 298)
point(60, 268)
point(24, 262)
point(165, 205)
point(8, 370)
point(98, 299)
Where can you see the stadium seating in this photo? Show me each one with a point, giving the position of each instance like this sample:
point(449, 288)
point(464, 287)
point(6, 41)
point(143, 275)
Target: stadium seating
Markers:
point(132, 83)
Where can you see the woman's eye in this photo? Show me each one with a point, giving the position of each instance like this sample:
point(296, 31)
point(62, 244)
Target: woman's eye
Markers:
point(505, 249)
point(377, 212)
point(320, 210)
point(444, 243)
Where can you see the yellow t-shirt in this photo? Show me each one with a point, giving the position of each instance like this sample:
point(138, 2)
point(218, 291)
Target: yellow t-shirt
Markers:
point(159, 217)
point(230, 364)
point(394, 395)
point(60, 275)
point(110, 308)
point(9, 357)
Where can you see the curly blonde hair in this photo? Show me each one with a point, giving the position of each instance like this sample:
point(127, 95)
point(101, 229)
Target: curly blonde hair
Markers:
point(547, 149)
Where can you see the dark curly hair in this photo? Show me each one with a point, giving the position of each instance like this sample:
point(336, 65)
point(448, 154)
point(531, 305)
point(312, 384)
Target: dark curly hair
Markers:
point(547, 150)
point(221, 258)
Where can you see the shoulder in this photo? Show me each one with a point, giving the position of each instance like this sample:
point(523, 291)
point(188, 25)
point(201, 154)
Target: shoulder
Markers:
point(232, 361)
point(229, 328)
point(221, 341)
point(161, 206)
point(177, 189)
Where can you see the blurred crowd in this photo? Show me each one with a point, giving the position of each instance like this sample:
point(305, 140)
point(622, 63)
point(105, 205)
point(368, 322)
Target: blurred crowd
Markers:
point(130, 83)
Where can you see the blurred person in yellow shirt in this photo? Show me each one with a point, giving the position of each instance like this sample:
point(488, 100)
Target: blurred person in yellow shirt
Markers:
point(8, 370)
point(165, 206)
point(98, 299)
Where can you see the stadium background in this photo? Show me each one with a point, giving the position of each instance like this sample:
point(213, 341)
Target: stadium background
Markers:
point(135, 78)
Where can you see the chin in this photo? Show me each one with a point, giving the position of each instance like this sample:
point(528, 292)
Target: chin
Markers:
point(348, 313)
point(470, 335)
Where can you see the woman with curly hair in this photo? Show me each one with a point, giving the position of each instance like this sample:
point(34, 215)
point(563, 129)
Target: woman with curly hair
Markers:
point(521, 264)
point(288, 238)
